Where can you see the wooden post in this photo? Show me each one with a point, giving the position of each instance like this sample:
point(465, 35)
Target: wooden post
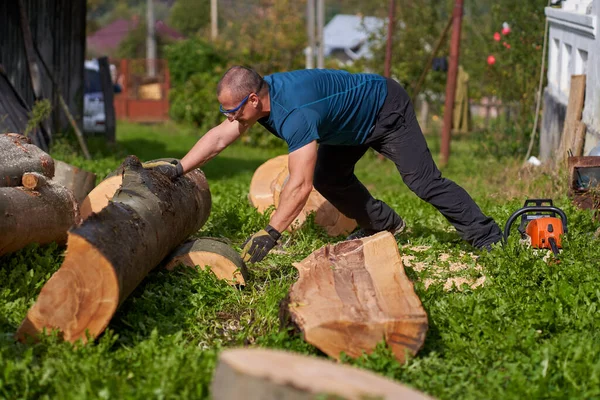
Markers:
point(108, 96)
point(388, 48)
point(214, 20)
point(451, 82)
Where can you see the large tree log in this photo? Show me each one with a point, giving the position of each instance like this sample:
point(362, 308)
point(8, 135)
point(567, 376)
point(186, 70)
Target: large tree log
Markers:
point(113, 250)
point(18, 156)
point(261, 374)
point(225, 262)
point(265, 189)
point(41, 212)
point(79, 181)
point(351, 295)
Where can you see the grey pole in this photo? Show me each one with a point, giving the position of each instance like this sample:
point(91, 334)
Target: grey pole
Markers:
point(320, 38)
point(310, 31)
point(150, 39)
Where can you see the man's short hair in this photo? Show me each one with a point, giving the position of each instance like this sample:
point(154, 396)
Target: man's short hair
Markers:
point(241, 81)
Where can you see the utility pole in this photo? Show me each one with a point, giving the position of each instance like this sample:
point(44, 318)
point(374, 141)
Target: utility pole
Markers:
point(320, 38)
point(388, 48)
point(457, 14)
point(214, 20)
point(310, 33)
point(150, 39)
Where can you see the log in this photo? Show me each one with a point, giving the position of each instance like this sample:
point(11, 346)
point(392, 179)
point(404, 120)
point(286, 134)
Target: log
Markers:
point(18, 156)
point(224, 262)
point(79, 181)
point(101, 195)
point(265, 190)
point(41, 212)
point(351, 295)
point(573, 115)
point(262, 374)
point(113, 250)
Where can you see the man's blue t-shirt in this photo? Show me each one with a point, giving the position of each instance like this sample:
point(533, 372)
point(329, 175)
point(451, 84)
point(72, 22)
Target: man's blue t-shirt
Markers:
point(329, 106)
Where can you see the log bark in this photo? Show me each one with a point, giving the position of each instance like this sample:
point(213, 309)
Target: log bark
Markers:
point(39, 212)
point(223, 261)
point(265, 190)
point(79, 181)
point(113, 250)
point(351, 295)
point(101, 195)
point(18, 156)
point(261, 374)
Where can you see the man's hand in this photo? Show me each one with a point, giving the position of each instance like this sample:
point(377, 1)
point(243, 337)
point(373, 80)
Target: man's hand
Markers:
point(172, 169)
point(259, 244)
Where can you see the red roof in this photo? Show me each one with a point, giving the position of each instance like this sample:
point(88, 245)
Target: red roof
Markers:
point(110, 36)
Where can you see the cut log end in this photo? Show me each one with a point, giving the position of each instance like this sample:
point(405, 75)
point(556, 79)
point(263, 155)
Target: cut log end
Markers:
point(223, 261)
point(100, 196)
point(33, 180)
point(271, 374)
point(79, 299)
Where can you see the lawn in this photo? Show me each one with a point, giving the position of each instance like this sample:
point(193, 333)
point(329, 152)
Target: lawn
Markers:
point(519, 327)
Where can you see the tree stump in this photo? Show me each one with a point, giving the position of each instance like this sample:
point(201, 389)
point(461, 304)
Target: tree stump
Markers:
point(18, 156)
point(225, 262)
point(261, 374)
point(351, 295)
point(79, 181)
point(113, 250)
point(265, 189)
point(41, 212)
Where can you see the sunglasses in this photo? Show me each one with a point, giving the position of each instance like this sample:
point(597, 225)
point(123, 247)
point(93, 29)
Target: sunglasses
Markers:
point(233, 110)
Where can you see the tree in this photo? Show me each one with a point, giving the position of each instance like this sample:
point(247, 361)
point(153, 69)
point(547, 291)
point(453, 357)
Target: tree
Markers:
point(190, 16)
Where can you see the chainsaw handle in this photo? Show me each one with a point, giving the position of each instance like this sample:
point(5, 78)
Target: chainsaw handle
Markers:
point(525, 210)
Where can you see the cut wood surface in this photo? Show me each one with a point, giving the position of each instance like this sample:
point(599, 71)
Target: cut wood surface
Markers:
point(265, 190)
point(224, 261)
point(113, 250)
point(579, 139)
point(572, 117)
point(42, 212)
point(79, 181)
point(18, 156)
point(262, 374)
point(101, 195)
point(351, 295)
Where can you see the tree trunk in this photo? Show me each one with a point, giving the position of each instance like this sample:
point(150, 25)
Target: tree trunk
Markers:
point(80, 182)
point(225, 262)
point(351, 295)
point(262, 374)
point(113, 250)
point(101, 195)
point(41, 212)
point(265, 189)
point(18, 156)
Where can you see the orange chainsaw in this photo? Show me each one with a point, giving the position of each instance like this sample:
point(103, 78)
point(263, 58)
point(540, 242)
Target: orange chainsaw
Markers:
point(541, 222)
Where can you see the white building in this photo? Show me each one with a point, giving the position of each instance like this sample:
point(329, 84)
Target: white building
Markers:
point(573, 48)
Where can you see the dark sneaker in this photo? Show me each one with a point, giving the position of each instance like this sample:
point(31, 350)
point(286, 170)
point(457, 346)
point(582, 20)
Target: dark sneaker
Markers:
point(361, 233)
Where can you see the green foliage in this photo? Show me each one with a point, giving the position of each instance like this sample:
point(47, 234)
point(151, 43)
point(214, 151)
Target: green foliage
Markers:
point(190, 16)
point(529, 332)
point(39, 113)
point(134, 44)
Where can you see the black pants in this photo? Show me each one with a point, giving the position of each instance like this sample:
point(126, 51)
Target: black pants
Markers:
point(397, 136)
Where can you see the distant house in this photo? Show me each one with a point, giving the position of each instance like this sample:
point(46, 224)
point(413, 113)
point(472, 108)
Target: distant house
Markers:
point(574, 48)
point(347, 37)
point(107, 39)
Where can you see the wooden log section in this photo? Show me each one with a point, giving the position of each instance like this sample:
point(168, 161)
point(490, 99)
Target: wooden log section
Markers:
point(265, 189)
point(224, 262)
point(102, 194)
point(113, 250)
point(41, 212)
point(79, 181)
point(262, 374)
point(351, 295)
point(18, 156)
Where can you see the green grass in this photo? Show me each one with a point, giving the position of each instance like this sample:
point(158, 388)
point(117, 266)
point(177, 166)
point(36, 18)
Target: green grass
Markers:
point(532, 331)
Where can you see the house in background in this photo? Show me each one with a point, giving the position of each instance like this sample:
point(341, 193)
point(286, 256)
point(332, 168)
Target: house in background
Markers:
point(574, 48)
point(106, 40)
point(347, 37)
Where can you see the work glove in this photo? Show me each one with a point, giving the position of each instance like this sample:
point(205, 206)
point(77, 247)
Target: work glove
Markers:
point(172, 170)
point(259, 244)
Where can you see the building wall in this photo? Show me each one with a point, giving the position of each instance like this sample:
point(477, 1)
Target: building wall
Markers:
point(573, 48)
point(58, 30)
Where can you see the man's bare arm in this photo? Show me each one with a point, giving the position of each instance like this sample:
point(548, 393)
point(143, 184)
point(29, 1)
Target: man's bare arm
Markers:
point(212, 143)
point(295, 193)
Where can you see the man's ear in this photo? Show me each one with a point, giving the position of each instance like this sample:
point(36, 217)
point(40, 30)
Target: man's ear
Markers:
point(254, 100)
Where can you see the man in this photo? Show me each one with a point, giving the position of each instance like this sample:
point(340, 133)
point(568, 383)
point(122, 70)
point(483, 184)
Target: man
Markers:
point(329, 119)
